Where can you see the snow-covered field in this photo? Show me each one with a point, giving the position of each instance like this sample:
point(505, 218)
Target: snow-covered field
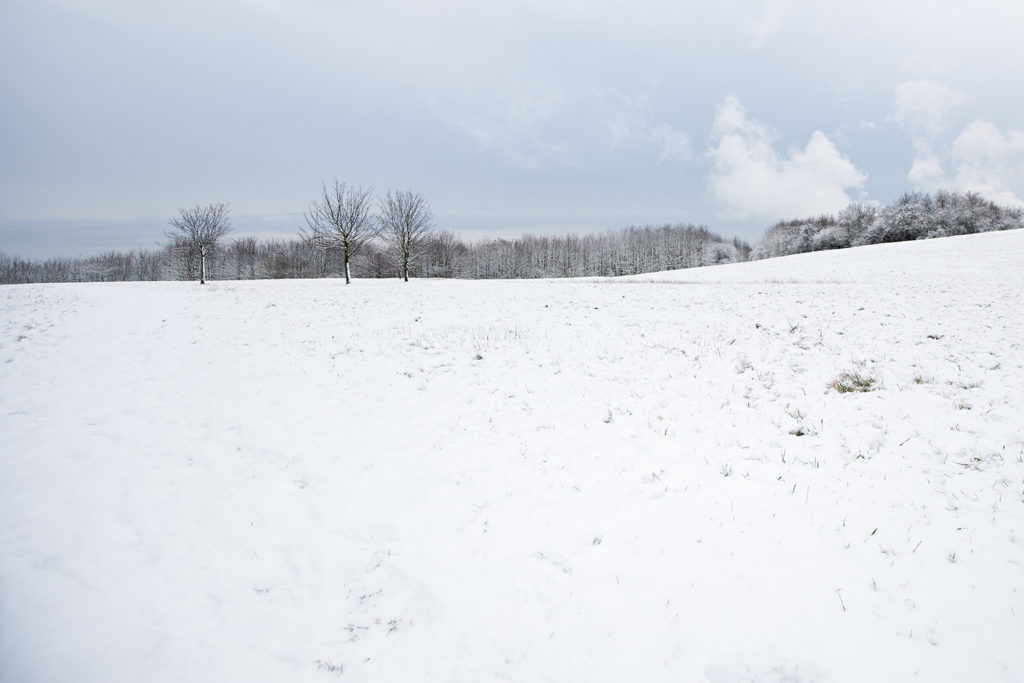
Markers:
point(645, 479)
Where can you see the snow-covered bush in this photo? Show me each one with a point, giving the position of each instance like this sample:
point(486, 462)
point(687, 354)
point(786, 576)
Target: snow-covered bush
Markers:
point(913, 216)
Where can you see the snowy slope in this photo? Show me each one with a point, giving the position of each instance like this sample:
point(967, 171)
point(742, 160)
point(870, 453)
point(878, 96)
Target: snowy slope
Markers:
point(637, 479)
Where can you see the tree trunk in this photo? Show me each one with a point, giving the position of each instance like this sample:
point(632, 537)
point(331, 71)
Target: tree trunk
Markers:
point(347, 280)
point(202, 265)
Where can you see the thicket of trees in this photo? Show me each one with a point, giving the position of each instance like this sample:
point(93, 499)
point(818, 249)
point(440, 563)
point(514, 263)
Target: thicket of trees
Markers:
point(913, 216)
point(629, 251)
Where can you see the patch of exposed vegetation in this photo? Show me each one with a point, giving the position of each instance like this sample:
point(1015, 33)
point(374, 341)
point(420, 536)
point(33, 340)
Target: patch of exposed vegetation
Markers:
point(848, 382)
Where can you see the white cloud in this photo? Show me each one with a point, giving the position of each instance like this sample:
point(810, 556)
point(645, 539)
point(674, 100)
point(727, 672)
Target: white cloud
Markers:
point(926, 103)
point(514, 130)
point(624, 116)
point(750, 180)
point(990, 162)
point(674, 144)
point(926, 173)
point(923, 108)
point(631, 126)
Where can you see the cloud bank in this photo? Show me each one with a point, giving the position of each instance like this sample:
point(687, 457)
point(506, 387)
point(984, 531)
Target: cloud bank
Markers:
point(981, 158)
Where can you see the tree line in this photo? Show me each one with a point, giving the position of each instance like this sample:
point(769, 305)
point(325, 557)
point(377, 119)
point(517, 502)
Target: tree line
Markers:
point(351, 233)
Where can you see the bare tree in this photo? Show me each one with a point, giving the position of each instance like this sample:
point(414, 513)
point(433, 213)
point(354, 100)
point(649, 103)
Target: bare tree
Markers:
point(200, 229)
point(406, 220)
point(342, 218)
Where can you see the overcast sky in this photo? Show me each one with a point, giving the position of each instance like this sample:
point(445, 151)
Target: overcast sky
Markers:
point(510, 117)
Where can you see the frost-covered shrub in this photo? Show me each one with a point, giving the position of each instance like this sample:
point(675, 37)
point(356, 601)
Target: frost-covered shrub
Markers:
point(855, 220)
point(830, 237)
point(908, 219)
point(797, 236)
point(720, 252)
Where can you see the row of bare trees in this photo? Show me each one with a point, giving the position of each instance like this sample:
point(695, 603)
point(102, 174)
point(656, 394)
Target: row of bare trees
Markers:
point(350, 232)
point(343, 219)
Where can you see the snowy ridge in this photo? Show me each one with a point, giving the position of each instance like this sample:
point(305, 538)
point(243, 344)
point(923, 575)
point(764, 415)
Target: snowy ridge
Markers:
point(522, 480)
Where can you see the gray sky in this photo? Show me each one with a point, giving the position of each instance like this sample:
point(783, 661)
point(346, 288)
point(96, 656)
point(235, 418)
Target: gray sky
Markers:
point(510, 117)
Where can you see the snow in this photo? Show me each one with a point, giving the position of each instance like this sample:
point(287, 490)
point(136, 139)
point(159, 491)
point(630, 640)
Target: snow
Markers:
point(646, 478)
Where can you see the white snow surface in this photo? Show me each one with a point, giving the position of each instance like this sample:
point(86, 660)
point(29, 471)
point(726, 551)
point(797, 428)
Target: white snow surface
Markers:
point(643, 479)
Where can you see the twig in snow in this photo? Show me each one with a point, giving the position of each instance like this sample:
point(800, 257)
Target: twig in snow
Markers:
point(839, 593)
